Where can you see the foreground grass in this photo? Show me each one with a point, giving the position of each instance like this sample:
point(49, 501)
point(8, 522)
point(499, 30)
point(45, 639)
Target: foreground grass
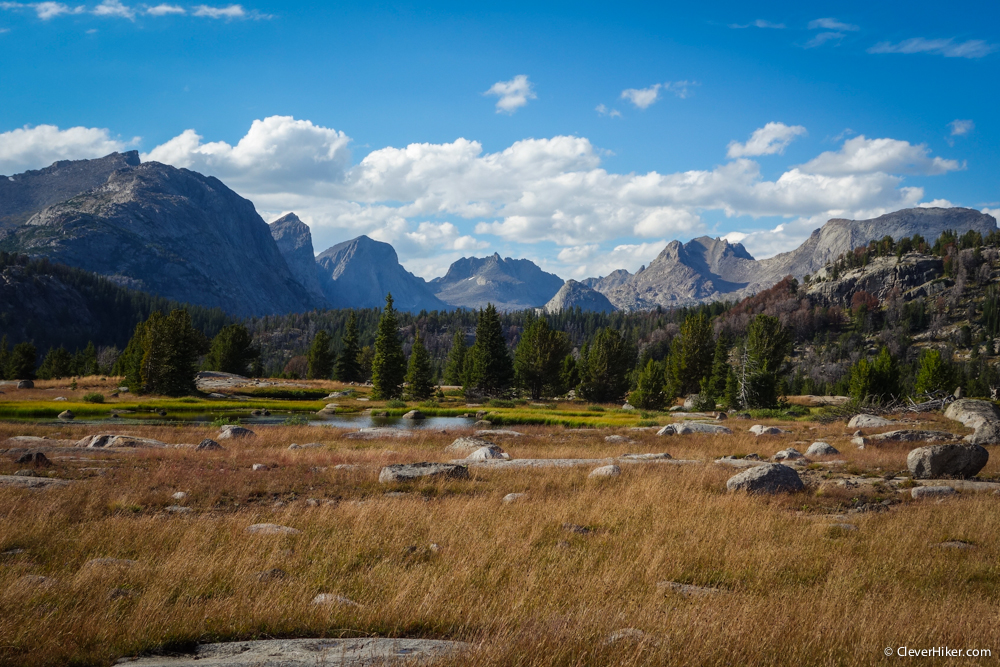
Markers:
point(796, 588)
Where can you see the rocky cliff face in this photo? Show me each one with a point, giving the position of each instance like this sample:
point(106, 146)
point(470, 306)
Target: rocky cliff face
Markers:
point(577, 295)
point(171, 232)
point(360, 272)
point(707, 269)
point(295, 244)
point(911, 276)
point(23, 195)
point(509, 284)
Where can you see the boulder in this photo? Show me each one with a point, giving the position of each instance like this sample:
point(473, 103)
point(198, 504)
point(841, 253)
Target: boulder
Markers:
point(37, 459)
point(404, 472)
point(59, 398)
point(208, 444)
point(628, 406)
point(414, 414)
point(605, 471)
point(271, 529)
point(935, 461)
point(722, 416)
point(973, 413)
point(685, 428)
point(66, 414)
point(105, 440)
point(25, 384)
point(464, 445)
point(482, 423)
point(692, 401)
point(618, 439)
point(180, 495)
point(986, 434)
point(488, 453)
point(789, 454)
point(308, 445)
point(766, 478)
point(256, 467)
point(513, 497)
point(821, 449)
point(868, 421)
point(920, 492)
point(232, 432)
point(760, 429)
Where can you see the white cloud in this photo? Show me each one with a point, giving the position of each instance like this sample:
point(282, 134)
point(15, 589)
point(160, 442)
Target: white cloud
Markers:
point(44, 10)
point(936, 203)
point(165, 10)
point(610, 113)
point(861, 155)
point(513, 94)
point(114, 8)
point(960, 128)
point(995, 212)
point(759, 23)
point(949, 48)
point(822, 38)
point(642, 98)
point(768, 140)
point(228, 12)
point(39, 146)
point(592, 260)
point(679, 88)
point(832, 24)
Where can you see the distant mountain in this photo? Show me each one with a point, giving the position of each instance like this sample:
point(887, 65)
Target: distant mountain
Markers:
point(295, 243)
point(608, 282)
point(23, 195)
point(509, 284)
point(170, 232)
point(707, 269)
point(577, 295)
point(360, 272)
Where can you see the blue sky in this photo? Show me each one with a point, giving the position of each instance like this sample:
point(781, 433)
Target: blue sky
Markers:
point(612, 128)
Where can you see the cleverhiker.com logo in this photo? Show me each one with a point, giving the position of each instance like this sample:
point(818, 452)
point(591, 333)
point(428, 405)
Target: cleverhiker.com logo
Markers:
point(938, 652)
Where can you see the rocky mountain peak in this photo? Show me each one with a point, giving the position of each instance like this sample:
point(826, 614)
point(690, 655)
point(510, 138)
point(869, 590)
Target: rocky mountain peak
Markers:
point(509, 284)
point(574, 294)
point(294, 240)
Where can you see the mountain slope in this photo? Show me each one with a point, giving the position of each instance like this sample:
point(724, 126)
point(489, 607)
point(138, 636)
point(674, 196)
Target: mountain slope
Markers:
point(706, 269)
point(360, 272)
point(577, 295)
point(509, 284)
point(295, 244)
point(171, 232)
point(23, 195)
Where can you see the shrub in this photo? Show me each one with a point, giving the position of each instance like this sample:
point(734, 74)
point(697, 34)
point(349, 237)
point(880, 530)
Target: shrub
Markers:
point(500, 403)
point(226, 421)
point(295, 420)
point(595, 408)
point(395, 403)
point(93, 397)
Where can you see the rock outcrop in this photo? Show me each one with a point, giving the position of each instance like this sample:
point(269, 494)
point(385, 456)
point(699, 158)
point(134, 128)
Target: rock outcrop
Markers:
point(360, 272)
point(509, 284)
point(577, 295)
point(766, 478)
point(937, 461)
point(294, 241)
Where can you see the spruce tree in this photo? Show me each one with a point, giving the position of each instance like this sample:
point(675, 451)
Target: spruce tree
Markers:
point(691, 355)
point(88, 360)
point(321, 357)
point(605, 375)
point(232, 351)
point(720, 369)
point(388, 363)
point(648, 393)
point(162, 355)
point(56, 364)
point(454, 371)
point(348, 365)
point(933, 373)
point(492, 370)
point(569, 375)
point(419, 375)
point(763, 361)
point(4, 358)
point(22, 362)
point(538, 357)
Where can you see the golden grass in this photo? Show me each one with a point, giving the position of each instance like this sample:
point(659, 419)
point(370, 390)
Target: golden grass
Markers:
point(796, 589)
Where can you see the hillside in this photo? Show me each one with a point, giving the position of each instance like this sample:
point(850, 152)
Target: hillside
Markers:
point(509, 284)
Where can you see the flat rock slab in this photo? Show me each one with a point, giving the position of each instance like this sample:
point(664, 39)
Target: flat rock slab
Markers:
point(497, 433)
point(908, 435)
point(468, 445)
point(520, 464)
point(31, 482)
point(741, 463)
point(972, 413)
point(404, 472)
point(112, 441)
point(311, 653)
point(684, 428)
point(378, 432)
point(869, 421)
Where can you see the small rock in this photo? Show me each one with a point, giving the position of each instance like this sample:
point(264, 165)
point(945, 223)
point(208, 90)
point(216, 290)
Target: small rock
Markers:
point(208, 444)
point(687, 590)
point(331, 599)
point(618, 439)
point(955, 544)
point(499, 433)
point(789, 454)
point(646, 457)
point(180, 495)
point(684, 428)
point(66, 414)
point(37, 459)
point(821, 449)
point(868, 421)
point(233, 432)
point(577, 529)
point(463, 445)
point(919, 492)
point(513, 497)
point(483, 423)
point(986, 434)
point(177, 509)
point(625, 635)
point(488, 453)
point(414, 414)
point(59, 398)
point(25, 384)
point(766, 478)
point(760, 429)
point(27, 472)
point(271, 529)
point(858, 433)
point(346, 466)
point(259, 466)
point(628, 407)
point(605, 471)
point(721, 416)
point(312, 502)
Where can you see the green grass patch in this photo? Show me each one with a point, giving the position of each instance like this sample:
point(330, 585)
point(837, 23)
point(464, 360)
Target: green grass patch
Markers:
point(285, 393)
point(93, 397)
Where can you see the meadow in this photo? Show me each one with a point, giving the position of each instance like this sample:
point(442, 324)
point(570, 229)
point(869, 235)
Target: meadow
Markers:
point(829, 576)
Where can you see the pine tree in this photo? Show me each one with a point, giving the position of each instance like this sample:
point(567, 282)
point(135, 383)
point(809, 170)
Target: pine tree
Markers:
point(321, 357)
point(22, 362)
point(538, 357)
point(454, 371)
point(569, 375)
point(648, 393)
point(419, 375)
point(4, 359)
point(720, 369)
point(161, 357)
point(232, 351)
point(56, 364)
point(691, 355)
point(763, 362)
point(933, 373)
point(605, 375)
point(389, 363)
point(348, 366)
point(88, 360)
point(492, 372)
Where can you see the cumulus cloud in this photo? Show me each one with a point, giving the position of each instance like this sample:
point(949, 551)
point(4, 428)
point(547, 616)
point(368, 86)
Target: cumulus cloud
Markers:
point(936, 203)
point(949, 48)
point(768, 140)
point(592, 260)
point(605, 111)
point(227, 12)
point(39, 146)
point(960, 128)
point(832, 24)
point(513, 94)
point(165, 10)
point(44, 10)
point(759, 23)
point(642, 98)
point(861, 155)
point(114, 8)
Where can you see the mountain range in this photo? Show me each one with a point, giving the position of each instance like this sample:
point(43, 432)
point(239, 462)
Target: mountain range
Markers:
point(188, 237)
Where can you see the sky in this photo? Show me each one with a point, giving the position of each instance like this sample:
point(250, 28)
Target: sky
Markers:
point(583, 136)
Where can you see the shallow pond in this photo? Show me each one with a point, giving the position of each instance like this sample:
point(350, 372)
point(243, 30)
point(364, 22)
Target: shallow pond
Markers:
point(348, 421)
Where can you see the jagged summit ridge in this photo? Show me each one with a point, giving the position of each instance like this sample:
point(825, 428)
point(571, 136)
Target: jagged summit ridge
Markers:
point(294, 240)
point(509, 284)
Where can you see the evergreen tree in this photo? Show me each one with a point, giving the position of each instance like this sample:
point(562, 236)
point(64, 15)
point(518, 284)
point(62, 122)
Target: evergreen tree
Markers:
point(691, 355)
point(22, 362)
point(88, 361)
point(538, 357)
point(933, 373)
point(763, 362)
point(232, 351)
point(348, 366)
point(365, 360)
point(58, 363)
point(161, 357)
point(720, 369)
point(454, 370)
point(569, 375)
point(648, 393)
point(4, 359)
point(389, 363)
point(875, 381)
point(419, 380)
point(605, 375)
point(492, 371)
point(321, 357)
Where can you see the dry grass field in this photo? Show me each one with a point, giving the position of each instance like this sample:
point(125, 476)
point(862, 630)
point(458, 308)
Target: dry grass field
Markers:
point(829, 576)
